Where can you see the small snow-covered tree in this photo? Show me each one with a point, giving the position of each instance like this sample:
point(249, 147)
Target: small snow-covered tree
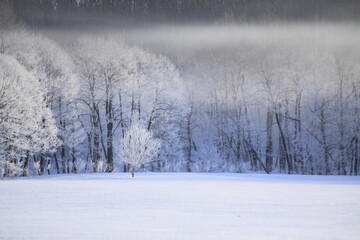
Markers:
point(138, 147)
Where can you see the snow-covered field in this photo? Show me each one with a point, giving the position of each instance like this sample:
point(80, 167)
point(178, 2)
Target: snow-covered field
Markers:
point(180, 206)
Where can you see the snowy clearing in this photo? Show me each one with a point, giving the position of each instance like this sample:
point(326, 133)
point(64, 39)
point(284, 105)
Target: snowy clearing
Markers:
point(180, 206)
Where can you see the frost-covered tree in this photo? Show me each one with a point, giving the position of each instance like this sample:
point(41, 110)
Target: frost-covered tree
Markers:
point(26, 123)
point(231, 110)
point(139, 147)
point(122, 85)
point(103, 67)
point(52, 68)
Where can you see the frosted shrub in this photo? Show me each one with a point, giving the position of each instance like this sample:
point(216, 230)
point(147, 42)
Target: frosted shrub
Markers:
point(138, 147)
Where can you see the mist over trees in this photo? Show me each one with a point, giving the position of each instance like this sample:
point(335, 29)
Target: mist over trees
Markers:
point(274, 98)
point(58, 12)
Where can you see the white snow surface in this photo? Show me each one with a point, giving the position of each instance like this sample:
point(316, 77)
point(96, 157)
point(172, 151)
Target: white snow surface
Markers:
point(180, 206)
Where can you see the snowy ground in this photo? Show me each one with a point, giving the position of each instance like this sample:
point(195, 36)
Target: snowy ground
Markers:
point(180, 206)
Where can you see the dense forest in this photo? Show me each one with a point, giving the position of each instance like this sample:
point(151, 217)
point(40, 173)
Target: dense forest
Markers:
point(78, 12)
point(238, 96)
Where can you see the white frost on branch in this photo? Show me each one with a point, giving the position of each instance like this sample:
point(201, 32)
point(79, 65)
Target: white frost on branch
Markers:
point(139, 147)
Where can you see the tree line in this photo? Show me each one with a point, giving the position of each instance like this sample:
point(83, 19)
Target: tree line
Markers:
point(53, 115)
point(68, 108)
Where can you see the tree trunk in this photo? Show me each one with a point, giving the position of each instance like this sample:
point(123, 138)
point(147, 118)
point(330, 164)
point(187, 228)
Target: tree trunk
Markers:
point(63, 160)
point(256, 156)
point(153, 108)
point(74, 170)
point(356, 130)
point(90, 153)
point(122, 124)
point(96, 157)
point(324, 139)
point(283, 141)
point(62, 126)
point(48, 161)
point(269, 147)
point(26, 163)
point(42, 162)
point(189, 139)
point(110, 159)
point(356, 156)
point(298, 148)
point(341, 123)
point(56, 163)
point(281, 151)
point(251, 156)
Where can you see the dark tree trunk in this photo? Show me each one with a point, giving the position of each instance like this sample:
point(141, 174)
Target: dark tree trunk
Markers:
point(151, 118)
point(57, 163)
point(132, 107)
point(357, 130)
point(110, 157)
point(74, 170)
point(122, 124)
point(283, 143)
point(324, 139)
point(26, 163)
point(356, 156)
point(298, 155)
point(189, 140)
point(42, 163)
point(256, 156)
point(63, 126)
point(63, 160)
point(269, 147)
point(96, 157)
point(48, 161)
point(90, 153)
